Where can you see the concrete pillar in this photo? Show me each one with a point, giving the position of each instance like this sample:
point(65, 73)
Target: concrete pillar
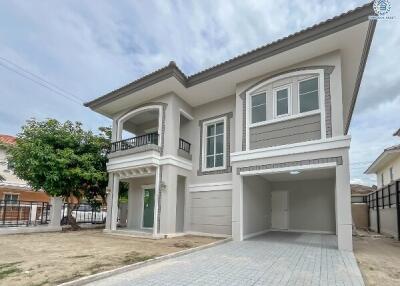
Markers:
point(109, 201)
point(114, 202)
point(55, 211)
point(168, 200)
point(343, 204)
point(237, 206)
point(156, 197)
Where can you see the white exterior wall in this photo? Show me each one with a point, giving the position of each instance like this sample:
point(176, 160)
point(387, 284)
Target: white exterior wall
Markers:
point(395, 164)
point(311, 204)
point(388, 220)
point(256, 206)
point(8, 174)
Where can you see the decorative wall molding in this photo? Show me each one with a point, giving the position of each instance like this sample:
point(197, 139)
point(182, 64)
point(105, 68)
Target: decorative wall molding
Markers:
point(338, 160)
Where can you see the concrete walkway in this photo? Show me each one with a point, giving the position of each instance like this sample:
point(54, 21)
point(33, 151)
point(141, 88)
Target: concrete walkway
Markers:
point(276, 258)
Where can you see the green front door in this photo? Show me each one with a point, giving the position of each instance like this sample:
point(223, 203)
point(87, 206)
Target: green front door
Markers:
point(148, 208)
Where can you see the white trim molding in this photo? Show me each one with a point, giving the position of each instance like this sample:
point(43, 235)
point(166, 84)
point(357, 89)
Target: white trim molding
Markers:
point(288, 169)
point(150, 158)
point(208, 187)
point(337, 142)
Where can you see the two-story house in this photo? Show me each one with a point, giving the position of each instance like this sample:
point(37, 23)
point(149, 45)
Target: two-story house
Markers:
point(387, 166)
point(257, 143)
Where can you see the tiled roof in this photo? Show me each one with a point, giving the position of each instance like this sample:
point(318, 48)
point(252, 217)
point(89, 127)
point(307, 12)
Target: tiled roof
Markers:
point(360, 189)
point(7, 139)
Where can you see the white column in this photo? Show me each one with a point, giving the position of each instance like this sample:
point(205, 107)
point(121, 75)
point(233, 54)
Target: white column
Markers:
point(114, 205)
point(157, 194)
point(237, 206)
point(343, 205)
point(55, 211)
point(109, 201)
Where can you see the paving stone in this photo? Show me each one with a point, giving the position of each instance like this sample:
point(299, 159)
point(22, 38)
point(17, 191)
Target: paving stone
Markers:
point(276, 258)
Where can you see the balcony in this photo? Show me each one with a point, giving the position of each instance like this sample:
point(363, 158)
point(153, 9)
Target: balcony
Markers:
point(135, 142)
point(184, 149)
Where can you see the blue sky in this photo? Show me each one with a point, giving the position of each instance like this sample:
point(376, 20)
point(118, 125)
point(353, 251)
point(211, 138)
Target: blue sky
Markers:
point(88, 48)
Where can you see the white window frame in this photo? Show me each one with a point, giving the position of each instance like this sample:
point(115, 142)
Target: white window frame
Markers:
point(275, 104)
point(382, 180)
point(204, 143)
point(251, 106)
point(319, 94)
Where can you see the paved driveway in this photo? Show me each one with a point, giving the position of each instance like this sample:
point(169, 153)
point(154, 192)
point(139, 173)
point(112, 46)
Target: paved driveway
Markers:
point(276, 258)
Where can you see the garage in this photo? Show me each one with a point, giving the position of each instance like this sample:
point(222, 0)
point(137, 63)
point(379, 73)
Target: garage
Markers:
point(294, 201)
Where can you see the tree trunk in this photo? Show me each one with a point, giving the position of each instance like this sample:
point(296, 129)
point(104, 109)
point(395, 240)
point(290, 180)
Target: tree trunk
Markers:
point(71, 220)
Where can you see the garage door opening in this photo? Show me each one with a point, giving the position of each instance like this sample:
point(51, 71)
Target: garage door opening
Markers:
point(301, 201)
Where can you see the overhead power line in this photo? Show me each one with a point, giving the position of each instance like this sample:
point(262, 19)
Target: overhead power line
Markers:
point(39, 80)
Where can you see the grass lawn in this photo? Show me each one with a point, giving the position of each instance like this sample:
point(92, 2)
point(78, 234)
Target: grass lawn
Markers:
point(53, 258)
point(378, 258)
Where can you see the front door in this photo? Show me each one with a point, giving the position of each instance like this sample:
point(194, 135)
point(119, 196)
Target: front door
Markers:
point(280, 217)
point(148, 208)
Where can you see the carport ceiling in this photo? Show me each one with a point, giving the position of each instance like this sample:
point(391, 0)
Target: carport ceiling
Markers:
point(303, 175)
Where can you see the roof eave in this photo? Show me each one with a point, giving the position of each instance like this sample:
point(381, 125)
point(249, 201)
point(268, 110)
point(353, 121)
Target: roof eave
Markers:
point(373, 168)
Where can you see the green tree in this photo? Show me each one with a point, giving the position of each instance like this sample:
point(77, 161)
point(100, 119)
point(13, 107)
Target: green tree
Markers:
point(63, 160)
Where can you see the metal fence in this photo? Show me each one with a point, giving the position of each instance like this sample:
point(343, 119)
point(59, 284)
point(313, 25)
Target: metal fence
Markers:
point(84, 213)
point(386, 197)
point(23, 213)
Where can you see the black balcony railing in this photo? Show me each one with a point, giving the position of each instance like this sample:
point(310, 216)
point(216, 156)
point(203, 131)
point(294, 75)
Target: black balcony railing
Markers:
point(184, 145)
point(146, 139)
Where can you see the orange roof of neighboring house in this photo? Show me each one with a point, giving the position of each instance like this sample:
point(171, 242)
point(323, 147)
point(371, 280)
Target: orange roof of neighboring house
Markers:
point(7, 139)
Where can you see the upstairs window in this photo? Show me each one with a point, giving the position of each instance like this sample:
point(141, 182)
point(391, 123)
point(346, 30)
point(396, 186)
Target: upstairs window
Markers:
point(391, 174)
point(382, 180)
point(282, 101)
point(215, 149)
point(308, 95)
point(258, 107)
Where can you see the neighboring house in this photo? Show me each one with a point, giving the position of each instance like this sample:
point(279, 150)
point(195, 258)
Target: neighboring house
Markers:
point(13, 189)
point(359, 207)
point(256, 143)
point(387, 166)
point(358, 192)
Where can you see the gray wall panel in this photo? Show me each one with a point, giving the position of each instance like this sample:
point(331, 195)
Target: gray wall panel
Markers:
point(211, 212)
point(286, 132)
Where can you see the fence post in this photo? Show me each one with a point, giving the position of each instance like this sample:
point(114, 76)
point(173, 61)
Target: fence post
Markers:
point(55, 211)
point(398, 208)
point(378, 223)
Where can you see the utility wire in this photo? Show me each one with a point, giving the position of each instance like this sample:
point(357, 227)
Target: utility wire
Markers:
point(41, 81)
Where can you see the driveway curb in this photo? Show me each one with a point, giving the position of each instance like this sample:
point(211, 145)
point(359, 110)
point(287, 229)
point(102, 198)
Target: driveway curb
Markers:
point(126, 268)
